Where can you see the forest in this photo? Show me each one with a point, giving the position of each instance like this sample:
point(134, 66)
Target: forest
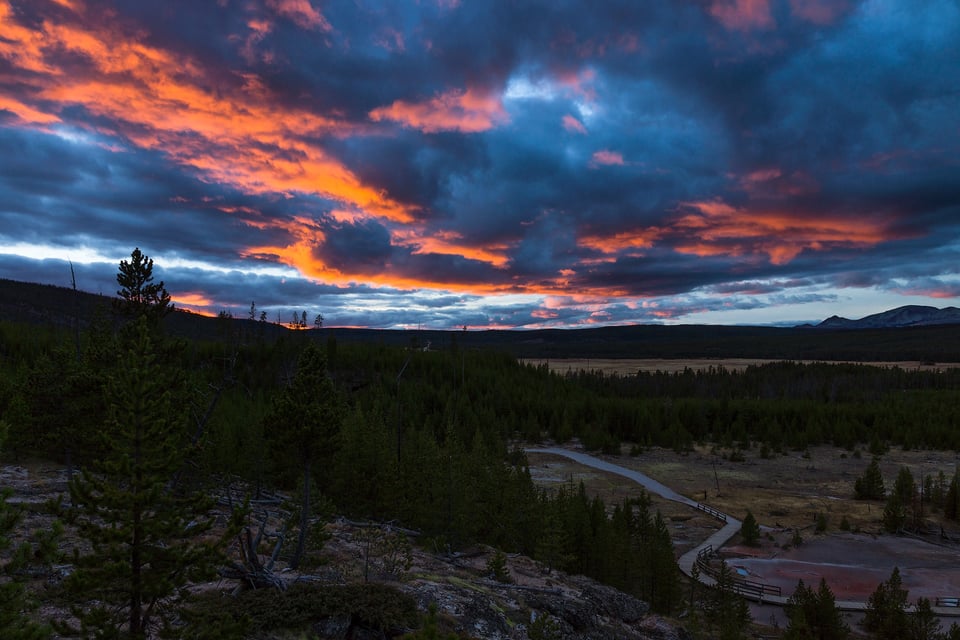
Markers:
point(428, 437)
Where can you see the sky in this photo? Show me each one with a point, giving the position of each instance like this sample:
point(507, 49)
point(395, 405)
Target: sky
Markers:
point(488, 164)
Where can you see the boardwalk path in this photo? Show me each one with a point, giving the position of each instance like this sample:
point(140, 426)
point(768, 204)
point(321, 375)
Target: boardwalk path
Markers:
point(717, 540)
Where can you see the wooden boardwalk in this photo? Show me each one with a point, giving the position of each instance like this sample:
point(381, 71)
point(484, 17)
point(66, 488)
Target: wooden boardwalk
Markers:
point(946, 607)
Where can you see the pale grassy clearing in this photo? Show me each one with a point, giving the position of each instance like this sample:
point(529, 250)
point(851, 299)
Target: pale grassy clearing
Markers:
point(630, 366)
point(784, 492)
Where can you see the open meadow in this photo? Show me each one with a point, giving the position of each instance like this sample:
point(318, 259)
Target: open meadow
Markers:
point(786, 493)
point(630, 366)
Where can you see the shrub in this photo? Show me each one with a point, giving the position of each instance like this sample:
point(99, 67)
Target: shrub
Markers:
point(750, 530)
point(497, 567)
point(264, 611)
point(821, 522)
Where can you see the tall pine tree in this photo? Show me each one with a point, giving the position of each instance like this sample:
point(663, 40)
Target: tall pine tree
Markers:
point(305, 425)
point(813, 615)
point(145, 539)
point(886, 614)
point(139, 294)
point(727, 613)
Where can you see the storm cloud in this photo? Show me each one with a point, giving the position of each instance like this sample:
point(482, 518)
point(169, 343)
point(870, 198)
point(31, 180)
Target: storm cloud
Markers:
point(443, 163)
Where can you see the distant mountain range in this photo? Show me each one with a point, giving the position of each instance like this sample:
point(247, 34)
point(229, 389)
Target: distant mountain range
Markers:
point(907, 316)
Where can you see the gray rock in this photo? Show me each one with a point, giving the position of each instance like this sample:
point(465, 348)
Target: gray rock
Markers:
point(481, 620)
point(615, 604)
point(579, 614)
point(656, 628)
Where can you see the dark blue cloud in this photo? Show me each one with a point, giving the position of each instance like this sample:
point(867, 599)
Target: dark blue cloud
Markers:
point(523, 164)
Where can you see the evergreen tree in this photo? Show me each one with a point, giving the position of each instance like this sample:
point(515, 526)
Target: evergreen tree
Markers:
point(924, 624)
point(139, 294)
point(894, 514)
point(553, 545)
point(800, 617)
point(664, 592)
point(15, 624)
point(869, 486)
point(144, 539)
point(813, 615)
point(305, 421)
point(951, 500)
point(726, 612)
point(65, 405)
point(828, 615)
point(904, 486)
point(886, 613)
point(365, 478)
point(497, 567)
point(906, 491)
point(750, 530)
point(821, 526)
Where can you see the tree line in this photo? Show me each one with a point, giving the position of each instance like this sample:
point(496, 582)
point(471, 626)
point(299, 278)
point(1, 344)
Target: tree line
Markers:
point(149, 425)
point(429, 438)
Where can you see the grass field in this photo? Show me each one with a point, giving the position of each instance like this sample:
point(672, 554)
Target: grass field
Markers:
point(630, 366)
point(785, 492)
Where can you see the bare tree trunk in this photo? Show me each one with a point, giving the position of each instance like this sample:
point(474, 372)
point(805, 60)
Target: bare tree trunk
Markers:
point(304, 517)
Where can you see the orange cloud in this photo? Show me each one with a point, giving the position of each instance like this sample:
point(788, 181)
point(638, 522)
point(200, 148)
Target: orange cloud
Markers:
point(742, 15)
point(573, 125)
point(194, 302)
point(544, 314)
point(468, 111)
point(162, 100)
point(606, 157)
point(624, 240)
point(25, 113)
point(302, 13)
point(721, 229)
point(300, 254)
point(73, 5)
point(22, 46)
point(450, 243)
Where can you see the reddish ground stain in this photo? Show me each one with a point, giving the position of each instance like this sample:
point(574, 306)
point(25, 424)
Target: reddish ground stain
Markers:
point(854, 564)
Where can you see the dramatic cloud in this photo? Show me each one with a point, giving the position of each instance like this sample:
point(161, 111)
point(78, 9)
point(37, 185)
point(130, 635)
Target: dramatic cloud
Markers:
point(467, 111)
point(489, 164)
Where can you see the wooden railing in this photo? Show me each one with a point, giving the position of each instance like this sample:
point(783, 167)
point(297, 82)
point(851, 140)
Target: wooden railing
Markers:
point(711, 511)
point(746, 588)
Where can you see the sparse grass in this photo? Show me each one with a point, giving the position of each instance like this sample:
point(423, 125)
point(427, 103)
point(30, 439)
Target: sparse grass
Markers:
point(630, 366)
point(785, 491)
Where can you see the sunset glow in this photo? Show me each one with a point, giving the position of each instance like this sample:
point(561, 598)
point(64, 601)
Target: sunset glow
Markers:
point(488, 164)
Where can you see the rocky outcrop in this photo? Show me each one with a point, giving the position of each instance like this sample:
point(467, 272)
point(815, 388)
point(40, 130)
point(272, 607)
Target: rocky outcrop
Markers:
point(576, 606)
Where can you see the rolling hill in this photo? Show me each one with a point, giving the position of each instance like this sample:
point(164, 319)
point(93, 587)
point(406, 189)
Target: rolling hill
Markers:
point(904, 334)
